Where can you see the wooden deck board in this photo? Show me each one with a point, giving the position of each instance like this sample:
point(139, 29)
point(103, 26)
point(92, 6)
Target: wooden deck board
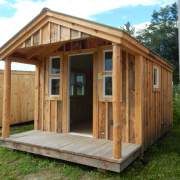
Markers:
point(83, 150)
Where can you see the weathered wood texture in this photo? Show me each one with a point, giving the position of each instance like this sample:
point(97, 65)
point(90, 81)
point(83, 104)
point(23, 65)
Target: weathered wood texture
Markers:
point(22, 96)
point(78, 149)
point(6, 117)
point(105, 119)
point(50, 33)
point(157, 103)
point(117, 100)
point(140, 102)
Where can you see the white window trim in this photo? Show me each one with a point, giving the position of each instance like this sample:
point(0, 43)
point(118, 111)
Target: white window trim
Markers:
point(104, 77)
point(104, 52)
point(50, 65)
point(50, 85)
point(156, 86)
point(109, 74)
point(53, 76)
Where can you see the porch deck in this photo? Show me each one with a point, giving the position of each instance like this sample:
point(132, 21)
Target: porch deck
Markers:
point(74, 148)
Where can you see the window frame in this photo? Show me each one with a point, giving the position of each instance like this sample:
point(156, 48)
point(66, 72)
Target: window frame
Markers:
point(104, 84)
point(106, 73)
point(104, 64)
point(54, 76)
point(157, 85)
point(74, 94)
point(50, 86)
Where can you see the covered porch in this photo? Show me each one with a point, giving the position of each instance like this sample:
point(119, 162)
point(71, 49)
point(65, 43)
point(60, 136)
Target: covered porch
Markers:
point(73, 148)
point(116, 127)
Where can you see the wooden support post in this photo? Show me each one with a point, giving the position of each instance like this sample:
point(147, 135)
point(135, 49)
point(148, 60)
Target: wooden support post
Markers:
point(95, 94)
point(6, 100)
point(117, 100)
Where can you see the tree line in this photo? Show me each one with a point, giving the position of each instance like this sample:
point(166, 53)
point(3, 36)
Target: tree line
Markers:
point(161, 35)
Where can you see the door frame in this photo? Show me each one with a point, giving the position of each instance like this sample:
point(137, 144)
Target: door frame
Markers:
point(68, 86)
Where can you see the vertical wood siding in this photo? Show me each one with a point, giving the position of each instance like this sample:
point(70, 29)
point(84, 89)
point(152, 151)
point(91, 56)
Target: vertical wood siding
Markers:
point(22, 98)
point(157, 104)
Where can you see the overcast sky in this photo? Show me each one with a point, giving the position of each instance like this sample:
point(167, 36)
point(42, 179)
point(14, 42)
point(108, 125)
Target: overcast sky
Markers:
point(14, 14)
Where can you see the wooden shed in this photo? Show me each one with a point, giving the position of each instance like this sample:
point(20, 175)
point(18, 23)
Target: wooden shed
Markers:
point(22, 104)
point(101, 97)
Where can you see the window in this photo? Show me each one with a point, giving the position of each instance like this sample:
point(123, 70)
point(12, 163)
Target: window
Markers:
point(107, 78)
point(108, 61)
point(54, 76)
point(108, 85)
point(77, 87)
point(156, 77)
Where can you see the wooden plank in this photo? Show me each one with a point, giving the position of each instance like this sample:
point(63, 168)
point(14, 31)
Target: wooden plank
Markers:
point(107, 120)
point(6, 118)
point(95, 95)
point(139, 74)
point(65, 94)
point(101, 119)
point(117, 100)
point(53, 115)
point(131, 95)
point(124, 120)
point(42, 86)
point(36, 103)
point(54, 33)
point(127, 98)
point(91, 152)
point(65, 33)
point(22, 97)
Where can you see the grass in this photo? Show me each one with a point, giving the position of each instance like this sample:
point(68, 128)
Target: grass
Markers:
point(161, 161)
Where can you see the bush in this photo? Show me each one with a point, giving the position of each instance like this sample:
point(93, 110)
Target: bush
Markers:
point(176, 104)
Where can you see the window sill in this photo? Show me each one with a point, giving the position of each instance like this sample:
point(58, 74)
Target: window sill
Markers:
point(57, 98)
point(106, 99)
point(156, 89)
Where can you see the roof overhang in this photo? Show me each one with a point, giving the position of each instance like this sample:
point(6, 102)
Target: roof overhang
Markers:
point(114, 35)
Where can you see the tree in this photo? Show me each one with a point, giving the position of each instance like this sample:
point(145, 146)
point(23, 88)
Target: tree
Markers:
point(161, 36)
point(129, 28)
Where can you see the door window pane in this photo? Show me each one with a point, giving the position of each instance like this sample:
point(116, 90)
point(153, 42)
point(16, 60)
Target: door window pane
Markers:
point(77, 87)
point(80, 85)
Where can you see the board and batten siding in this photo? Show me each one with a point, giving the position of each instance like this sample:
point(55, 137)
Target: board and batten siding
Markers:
point(52, 114)
point(22, 96)
point(157, 103)
point(105, 119)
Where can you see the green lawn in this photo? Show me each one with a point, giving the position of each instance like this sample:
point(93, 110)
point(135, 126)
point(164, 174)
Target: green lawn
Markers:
point(161, 161)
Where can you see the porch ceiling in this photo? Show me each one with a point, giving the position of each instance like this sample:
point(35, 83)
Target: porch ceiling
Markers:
point(34, 54)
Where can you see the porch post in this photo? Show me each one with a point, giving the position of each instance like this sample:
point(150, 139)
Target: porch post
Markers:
point(6, 99)
point(117, 100)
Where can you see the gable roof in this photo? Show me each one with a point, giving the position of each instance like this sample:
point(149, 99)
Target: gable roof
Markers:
point(115, 35)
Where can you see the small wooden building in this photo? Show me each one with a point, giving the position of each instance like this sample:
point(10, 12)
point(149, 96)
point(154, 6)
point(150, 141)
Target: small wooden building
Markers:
point(22, 104)
point(100, 96)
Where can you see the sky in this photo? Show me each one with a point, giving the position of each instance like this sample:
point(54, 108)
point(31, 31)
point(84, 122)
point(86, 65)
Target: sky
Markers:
point(15, 14)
